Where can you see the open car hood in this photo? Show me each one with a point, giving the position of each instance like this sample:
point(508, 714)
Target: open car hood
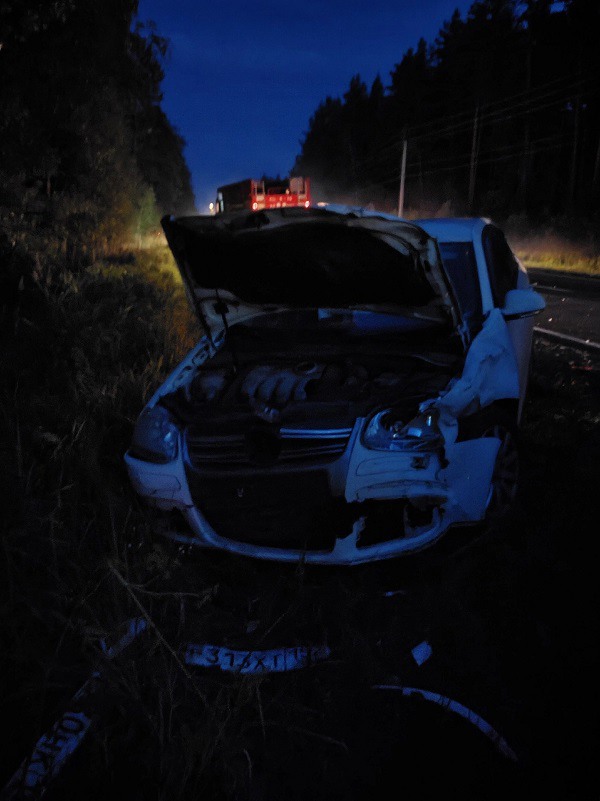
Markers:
point(236, 266)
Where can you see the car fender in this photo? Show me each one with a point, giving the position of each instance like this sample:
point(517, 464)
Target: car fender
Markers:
point(461, 480)
point(490, 373)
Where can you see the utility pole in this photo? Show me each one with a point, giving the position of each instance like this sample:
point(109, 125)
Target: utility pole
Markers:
point(473, 166)
point(402, 175)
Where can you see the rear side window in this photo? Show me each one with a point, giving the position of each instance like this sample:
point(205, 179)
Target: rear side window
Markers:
point(503, 268)
point(461, 268)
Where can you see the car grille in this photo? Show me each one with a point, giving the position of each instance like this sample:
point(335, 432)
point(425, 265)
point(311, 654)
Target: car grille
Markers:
point(277, 509)
point(262, 447)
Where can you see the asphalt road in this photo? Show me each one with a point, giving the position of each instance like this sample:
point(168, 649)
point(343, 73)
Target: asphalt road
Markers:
point(572, 304)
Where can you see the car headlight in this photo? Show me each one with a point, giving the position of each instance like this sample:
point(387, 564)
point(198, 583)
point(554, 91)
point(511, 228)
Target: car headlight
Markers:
point(385, 431)
point(155, 436)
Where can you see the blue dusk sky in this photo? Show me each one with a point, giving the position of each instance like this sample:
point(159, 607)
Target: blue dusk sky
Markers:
point(243, 78)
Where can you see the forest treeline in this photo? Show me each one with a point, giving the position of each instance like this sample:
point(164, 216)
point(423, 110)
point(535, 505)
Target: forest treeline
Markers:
point(88, 159)
point(500, 115)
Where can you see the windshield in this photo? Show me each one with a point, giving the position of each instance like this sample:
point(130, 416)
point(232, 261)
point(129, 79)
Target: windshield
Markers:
point(461, 268)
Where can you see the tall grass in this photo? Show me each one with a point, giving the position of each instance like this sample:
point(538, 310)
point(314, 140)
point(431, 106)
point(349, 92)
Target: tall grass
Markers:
point(561, 243)
point(82, 352)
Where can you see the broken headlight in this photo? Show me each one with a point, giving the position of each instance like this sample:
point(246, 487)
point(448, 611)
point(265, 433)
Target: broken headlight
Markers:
point(386, 432)
point(155, 436)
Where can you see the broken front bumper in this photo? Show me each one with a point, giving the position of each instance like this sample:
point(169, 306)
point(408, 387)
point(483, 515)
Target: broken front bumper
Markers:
point(434, 498)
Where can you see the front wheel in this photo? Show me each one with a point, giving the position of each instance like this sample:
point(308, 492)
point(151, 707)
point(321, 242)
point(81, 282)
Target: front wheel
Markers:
point(503, 487)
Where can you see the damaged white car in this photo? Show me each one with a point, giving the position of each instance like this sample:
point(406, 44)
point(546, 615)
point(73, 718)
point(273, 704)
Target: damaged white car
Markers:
point(357, 389)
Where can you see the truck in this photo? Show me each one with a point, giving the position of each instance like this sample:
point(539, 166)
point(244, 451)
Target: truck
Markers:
point(265, 193)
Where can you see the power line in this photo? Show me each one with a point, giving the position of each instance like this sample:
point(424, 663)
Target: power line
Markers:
point(504, 101)
point(536, 93)
point(491, 157)
point(495, 150)
point(496, 159)
point(495, 115)
point(385, 161)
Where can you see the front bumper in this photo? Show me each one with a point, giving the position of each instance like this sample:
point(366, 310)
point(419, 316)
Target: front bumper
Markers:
point(454, 494)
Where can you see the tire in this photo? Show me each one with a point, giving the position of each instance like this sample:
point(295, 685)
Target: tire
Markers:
point(505, 478)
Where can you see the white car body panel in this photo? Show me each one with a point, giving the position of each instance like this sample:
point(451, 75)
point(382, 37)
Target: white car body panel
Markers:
point(490, 373)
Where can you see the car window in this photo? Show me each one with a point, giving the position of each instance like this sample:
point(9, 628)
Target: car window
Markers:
point(502, 264)
point(461, 267)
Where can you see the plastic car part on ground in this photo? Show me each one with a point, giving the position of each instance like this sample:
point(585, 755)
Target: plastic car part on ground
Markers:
point(458, 709)
point(53, 749)
point(276, 660)
point(421, 653)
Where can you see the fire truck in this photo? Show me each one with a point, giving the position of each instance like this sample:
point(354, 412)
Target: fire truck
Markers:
point(263, 194)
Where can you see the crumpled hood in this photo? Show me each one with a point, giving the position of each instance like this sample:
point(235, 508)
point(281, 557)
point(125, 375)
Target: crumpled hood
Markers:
point(237, 266)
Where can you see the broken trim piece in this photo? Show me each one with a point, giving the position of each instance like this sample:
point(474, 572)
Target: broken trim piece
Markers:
point(53, 749)
point(421, 652)
point(459, 709)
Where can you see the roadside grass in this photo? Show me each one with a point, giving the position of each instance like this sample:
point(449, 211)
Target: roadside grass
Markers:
point(568, 244)
point(561, 261)
point(82, 349)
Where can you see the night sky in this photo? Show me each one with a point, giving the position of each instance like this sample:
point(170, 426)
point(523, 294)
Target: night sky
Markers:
point(243, 78)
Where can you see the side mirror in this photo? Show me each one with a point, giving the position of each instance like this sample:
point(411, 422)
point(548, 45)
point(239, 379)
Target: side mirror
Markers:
point(522, 303)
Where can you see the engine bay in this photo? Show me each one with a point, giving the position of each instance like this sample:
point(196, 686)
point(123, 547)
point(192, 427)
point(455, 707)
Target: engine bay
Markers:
point(319, 387)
